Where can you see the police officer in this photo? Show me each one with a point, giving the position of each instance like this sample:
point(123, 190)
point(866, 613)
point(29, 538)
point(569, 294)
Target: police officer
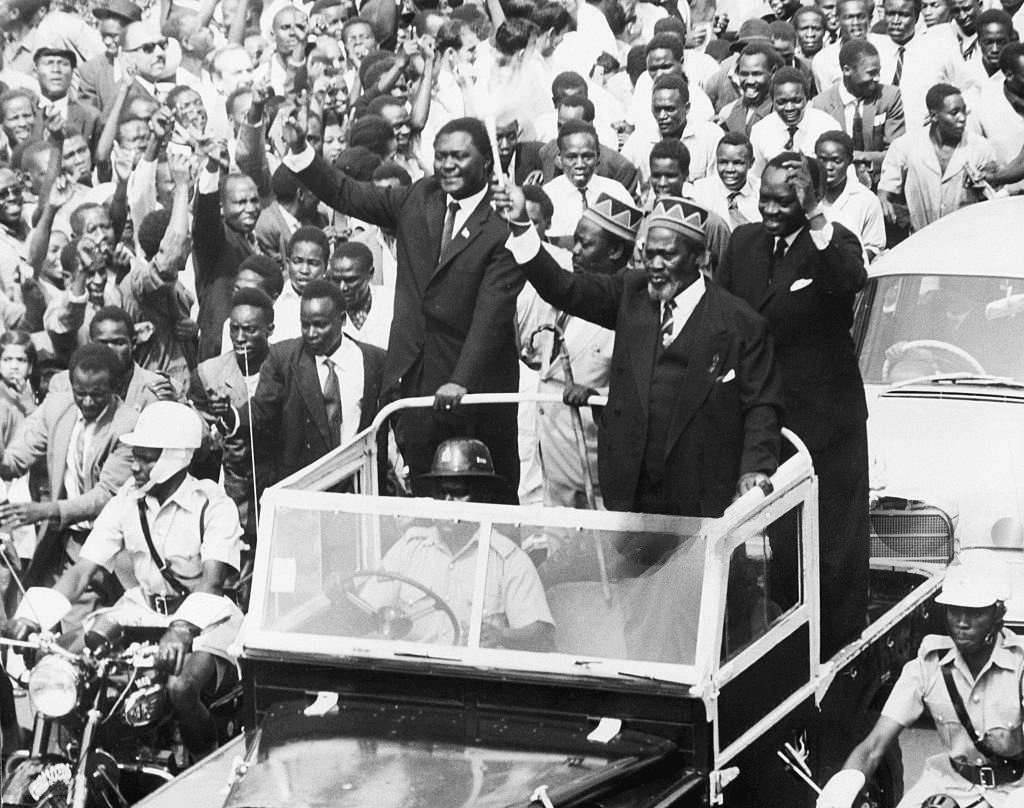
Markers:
point(970, 684)
point(183, 539)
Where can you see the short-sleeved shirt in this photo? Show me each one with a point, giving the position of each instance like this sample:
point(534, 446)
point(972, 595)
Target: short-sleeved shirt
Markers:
point(186, 534)
point(513, 586)
point(992, 700)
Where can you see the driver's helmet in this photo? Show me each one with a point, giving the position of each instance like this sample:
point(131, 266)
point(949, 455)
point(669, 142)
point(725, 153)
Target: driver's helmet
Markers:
point(166, 425)
point(972, 585)
point(462, 457)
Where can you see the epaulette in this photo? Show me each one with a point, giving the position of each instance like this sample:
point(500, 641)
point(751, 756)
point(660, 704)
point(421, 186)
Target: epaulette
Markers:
point(934, 643)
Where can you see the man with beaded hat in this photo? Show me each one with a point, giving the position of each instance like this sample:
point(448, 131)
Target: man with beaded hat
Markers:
point(574, 356)
point(694, 401)
point(970, 684)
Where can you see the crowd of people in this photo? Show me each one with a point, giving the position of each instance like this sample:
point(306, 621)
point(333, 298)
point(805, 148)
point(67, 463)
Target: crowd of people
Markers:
point(233, 231)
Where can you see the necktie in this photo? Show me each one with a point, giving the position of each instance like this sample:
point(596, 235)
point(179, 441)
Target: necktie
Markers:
point(858, 127)
point(80, 460)
point(792, 134)
point(777, 255)
point(899, 66)
point(968, 51)
point(734, 210)
point(583, 195)
point(667, 322)
point(332, 400)
point(449, 226)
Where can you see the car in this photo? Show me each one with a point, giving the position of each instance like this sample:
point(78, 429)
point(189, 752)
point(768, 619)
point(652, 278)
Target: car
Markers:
point(683, 661)
point(940, 335)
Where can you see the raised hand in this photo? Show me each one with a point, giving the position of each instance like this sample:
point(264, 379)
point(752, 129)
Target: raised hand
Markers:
point(800, 181)
point(510, 202)
point(60, 192)
point(55, 124)
point(294, 124)
point(123, 161)
point(180, 166)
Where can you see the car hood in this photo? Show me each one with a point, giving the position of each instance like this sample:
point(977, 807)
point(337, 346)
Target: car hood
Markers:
point(301, 760)
point(964, 455)
point(961, 451)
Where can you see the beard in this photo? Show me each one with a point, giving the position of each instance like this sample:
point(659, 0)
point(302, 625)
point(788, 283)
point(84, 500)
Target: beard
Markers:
point(663, 292)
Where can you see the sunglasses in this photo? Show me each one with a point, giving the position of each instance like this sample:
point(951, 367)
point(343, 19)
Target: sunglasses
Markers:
point(149, 47)
point(10, 192)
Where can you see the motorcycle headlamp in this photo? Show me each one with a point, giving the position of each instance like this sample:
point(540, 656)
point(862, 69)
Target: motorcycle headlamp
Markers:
point(53, 686)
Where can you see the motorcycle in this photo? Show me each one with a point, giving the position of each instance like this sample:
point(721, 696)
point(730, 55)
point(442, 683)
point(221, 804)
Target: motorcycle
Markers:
point(103, 734)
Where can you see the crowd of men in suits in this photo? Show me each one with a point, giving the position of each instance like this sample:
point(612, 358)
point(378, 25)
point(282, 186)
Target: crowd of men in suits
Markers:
point(287, 214)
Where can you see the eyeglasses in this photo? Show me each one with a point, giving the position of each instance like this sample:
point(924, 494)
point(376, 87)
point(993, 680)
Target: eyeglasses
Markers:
point(149, 47)
point(10, 192)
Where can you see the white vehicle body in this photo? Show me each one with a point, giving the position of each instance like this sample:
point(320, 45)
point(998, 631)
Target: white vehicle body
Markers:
point(940, 329)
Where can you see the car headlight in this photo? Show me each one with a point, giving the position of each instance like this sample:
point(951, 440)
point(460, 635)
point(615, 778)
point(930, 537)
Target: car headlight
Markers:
point(53, 686)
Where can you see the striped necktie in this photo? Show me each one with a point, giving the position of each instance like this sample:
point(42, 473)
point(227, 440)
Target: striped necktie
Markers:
point(898, 75)
point(735, 216)
point(792, 134)
point(667, 322)
point(332, 400)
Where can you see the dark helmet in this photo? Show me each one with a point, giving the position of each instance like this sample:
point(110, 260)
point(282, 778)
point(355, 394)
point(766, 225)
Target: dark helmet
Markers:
point(462, 457)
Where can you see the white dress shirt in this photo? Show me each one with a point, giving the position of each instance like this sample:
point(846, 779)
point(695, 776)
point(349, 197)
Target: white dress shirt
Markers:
point(348, 367)
point(466, 207)
point(685, 302)
point(770, 135)
point(700, 138)
point(568, 201)
point(712, 194)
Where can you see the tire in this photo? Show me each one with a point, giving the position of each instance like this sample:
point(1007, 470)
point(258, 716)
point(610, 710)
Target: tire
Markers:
point(885, 788)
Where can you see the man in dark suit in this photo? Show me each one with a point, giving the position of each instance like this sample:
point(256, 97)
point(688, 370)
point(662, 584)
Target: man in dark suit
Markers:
point(519, 158)
point(455, 298)
point(97, 85)
point(54, 69)
point(869, 112)
point(694, 401)
point(315, 392)
point(802, 273)
point(220, 245)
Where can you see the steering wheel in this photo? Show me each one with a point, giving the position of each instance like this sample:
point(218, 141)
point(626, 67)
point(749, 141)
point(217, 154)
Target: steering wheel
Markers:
point(896, 352)
point(394, 623)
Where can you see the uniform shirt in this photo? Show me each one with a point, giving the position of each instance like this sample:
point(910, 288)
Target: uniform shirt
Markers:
point(770, 135)
point(175, 528)
point(712, 194)
point(568, 200)
point(998, 122)
point(860, 212)
point(513, 589)
point(911, 166)
point(700, 138)
point(993, 702)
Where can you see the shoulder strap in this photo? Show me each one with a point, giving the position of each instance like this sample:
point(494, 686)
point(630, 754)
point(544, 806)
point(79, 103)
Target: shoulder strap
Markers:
point(165, 571)
point(965, 719)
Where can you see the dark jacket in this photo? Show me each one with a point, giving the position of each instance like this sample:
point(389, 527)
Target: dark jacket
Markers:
point(727, 412)
point(882, 116)
point(289, 417)
point(809, 308)
point(217, 251)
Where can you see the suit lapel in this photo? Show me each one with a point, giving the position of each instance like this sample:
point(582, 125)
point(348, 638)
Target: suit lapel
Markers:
point(786, 272)
point(705, 366)
point(644, 328)
point(61, 433)
point(867, 123)
point(308, 381)
point(465, 235)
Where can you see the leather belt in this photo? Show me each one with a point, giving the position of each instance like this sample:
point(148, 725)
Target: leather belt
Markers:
point(164, 604)
point(990, 776)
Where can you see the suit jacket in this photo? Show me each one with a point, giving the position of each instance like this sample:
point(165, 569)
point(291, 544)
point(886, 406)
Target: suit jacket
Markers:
point(136, 397)
point(81, 120)
point(527, 160)
point(272, 232)
point(289, 418)
point(726, 414)
point(47, 433)
point(217, 251)
point(736, 115)
point(883, 118)
point(809, 308)
point(454, 313)
point(611, 165)
point(96, 83)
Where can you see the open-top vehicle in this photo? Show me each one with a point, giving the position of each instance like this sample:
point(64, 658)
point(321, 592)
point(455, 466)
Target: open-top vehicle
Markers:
point(683, 658)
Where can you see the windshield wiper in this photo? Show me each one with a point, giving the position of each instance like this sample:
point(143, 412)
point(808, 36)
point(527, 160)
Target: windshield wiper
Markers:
point(963, 378)
point(424, 655)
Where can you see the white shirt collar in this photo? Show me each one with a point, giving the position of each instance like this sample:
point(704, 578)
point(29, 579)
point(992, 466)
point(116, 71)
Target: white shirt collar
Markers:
point(687, 299)
point(790, 238)
point(469, 203)
point(846, 96)
point(344, 349)
point(61, 105)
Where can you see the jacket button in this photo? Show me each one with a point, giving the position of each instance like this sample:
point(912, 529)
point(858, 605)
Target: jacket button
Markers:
point(618, 410)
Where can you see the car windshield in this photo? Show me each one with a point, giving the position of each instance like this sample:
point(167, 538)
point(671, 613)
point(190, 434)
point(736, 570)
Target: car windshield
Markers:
point(408, 578)
point(927, 325)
